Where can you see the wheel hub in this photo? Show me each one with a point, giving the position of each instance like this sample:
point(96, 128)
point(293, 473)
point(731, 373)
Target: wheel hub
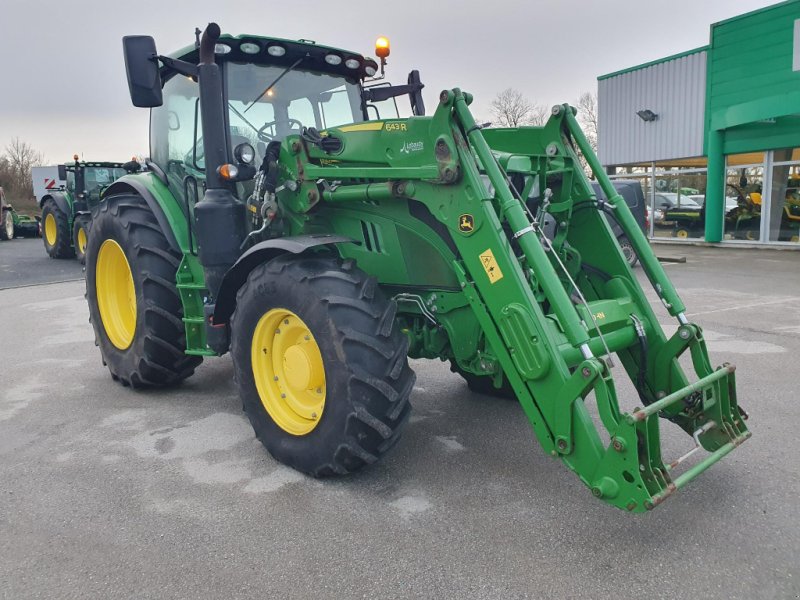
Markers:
point(81, 240)
point(288, 371)
point(116, 294)
point(50, 229)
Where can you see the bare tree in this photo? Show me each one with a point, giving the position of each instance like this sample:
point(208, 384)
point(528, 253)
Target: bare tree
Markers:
point(539, 115)
point(587, 117)
point(15, 168)
point(511, 109)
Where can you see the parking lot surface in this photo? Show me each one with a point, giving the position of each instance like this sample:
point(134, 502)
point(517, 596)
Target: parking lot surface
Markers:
point(106, 492)
point(24, 261)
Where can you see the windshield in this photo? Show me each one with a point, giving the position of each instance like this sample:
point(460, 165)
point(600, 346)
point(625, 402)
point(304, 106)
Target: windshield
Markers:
point(96, 178)
point(299, 99)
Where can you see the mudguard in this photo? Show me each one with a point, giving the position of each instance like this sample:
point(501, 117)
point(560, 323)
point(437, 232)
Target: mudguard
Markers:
point(259, 254)
point(64, 204)
point(130, 185)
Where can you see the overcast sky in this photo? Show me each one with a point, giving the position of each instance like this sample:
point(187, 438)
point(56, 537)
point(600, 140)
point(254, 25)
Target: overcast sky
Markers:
point(62, 77)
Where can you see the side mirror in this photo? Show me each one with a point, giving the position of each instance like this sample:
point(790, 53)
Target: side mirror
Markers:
point(62, 172)
point(417, 104)
point(141, 65)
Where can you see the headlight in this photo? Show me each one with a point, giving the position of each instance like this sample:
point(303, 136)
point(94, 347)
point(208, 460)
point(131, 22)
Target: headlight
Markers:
point(352, 63)
point(222, 49)
point(333, 59)
point(249, 48)
point(244, 153)
point(276, 50)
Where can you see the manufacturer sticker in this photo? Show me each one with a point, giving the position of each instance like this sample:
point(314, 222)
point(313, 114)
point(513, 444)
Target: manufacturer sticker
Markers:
point(490, 266)
point(466, 223)
point(409, 147)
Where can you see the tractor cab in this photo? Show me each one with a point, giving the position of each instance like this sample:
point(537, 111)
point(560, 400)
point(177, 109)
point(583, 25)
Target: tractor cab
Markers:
point(85, 181)
point(270, 88)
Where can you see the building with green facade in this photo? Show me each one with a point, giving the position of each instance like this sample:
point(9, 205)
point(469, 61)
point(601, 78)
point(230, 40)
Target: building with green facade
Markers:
point(713, 134)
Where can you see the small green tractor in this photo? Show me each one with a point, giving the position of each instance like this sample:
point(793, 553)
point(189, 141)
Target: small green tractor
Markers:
point(66, 212)
point(14, 224)
point(289, 217)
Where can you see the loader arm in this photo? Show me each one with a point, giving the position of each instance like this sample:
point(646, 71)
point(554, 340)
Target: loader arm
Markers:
point(536, 292)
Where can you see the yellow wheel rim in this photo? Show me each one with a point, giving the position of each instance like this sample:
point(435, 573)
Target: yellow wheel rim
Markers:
point(82, 240)
point(682, 233)
point(50, 229)
point(288, 371)
point(116, 294)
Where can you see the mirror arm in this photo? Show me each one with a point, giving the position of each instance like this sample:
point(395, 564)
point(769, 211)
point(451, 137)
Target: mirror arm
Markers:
point(179, 66)
point(378, 94)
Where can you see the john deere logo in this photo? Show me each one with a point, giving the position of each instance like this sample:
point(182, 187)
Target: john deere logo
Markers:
point(466, 223)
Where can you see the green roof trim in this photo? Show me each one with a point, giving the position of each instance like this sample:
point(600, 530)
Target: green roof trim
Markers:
point(655, 62)
point(754, 12)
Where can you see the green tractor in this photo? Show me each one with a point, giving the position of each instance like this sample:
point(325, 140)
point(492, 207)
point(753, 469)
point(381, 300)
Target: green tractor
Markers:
point(66, 213)
point(289, 217)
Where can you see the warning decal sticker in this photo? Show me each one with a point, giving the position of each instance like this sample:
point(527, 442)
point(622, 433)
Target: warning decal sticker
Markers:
point(490, 266)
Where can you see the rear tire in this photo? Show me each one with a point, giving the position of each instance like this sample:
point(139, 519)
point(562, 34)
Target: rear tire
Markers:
point(6, 225)
point(80, 237)
point(56, 232)
point(360, 371)
point(142, 339)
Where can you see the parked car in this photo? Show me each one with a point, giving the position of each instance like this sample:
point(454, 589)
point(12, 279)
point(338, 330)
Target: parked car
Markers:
point(631, 192)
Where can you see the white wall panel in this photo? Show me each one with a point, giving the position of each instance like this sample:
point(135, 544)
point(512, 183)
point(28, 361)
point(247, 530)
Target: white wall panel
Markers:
point(675, 90)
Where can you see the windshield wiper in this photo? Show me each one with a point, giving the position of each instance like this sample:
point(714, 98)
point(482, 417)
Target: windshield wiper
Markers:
point(277, 79)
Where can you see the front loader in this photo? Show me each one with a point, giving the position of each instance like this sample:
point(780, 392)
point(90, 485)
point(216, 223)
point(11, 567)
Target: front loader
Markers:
point(289, 217)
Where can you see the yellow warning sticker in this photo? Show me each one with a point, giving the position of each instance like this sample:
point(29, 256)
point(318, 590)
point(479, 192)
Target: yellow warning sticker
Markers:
point(490, 265)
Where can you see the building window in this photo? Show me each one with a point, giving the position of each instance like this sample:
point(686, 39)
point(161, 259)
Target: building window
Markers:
point(679, 203)
point(784, 196)
point(744, 185)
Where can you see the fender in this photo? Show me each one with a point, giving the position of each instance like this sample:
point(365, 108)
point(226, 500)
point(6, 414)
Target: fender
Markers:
point(259, 254)
point(132, 185)
point(63, 204)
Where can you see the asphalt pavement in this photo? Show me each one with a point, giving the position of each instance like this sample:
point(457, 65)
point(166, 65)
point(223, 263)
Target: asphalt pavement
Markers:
point(24, 261)
point(106, 492)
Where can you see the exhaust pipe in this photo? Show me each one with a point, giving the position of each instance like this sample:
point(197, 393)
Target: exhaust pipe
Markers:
point(219, 218)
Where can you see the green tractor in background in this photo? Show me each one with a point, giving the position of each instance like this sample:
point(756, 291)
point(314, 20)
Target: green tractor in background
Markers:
point(14, 224)
point(66, 213)
point(289, 217)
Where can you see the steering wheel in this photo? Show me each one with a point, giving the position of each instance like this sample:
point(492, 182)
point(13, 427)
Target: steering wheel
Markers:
point(268, 137)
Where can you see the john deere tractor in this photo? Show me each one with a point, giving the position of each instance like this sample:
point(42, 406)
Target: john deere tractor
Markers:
point(289, 217)
point(66, 213)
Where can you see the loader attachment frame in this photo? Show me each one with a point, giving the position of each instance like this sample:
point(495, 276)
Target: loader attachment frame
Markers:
point(629, 472)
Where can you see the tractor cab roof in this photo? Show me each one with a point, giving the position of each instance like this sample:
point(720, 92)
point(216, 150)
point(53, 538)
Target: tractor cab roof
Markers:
point(100, 164)
point(285, 53)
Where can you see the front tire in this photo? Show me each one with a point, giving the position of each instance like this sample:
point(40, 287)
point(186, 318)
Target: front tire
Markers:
point(484, 384)
point(80, 237)
point(627, 251)
point(320, 364)
point(681, 233)
point(133, 299)
point(56, 232)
